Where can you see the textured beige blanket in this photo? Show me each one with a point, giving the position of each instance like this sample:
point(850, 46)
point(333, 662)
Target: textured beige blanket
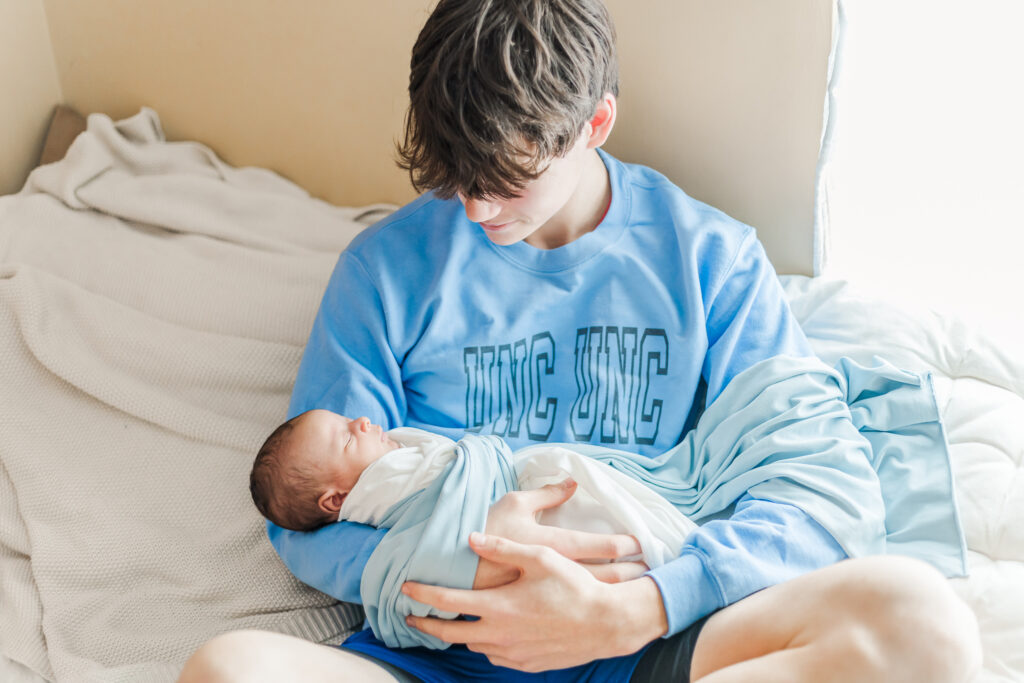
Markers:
point(154, 303)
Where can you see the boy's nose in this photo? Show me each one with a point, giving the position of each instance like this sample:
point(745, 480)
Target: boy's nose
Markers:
point(481, 210)
point(362, 424)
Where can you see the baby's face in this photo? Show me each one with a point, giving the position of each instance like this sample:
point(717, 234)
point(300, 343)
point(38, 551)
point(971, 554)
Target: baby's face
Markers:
point(341, 448)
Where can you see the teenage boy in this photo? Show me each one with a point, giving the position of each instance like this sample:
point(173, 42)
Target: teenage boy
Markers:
point(544, 291)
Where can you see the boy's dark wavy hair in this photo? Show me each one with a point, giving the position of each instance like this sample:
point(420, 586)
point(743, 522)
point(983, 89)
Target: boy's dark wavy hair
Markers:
point(499, 87)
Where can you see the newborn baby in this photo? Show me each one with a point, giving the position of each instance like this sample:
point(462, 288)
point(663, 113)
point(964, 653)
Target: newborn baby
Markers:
point(307, 467)
point(321, 467)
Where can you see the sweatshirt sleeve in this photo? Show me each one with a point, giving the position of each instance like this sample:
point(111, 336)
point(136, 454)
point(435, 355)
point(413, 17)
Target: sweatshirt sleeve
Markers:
point(330, 559)
point(347, 367)
point(748, 318)
point(763, 544)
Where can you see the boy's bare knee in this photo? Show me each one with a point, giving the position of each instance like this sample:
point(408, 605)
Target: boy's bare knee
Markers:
point(904, 622)
point(222, 659)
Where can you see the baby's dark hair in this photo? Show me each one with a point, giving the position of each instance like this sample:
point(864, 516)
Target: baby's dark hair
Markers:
point(283, 491)
point(499, 87)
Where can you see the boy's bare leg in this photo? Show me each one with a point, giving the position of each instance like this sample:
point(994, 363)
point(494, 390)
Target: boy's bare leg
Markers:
point(879, 618)
point(256, 656)
point(874, 619)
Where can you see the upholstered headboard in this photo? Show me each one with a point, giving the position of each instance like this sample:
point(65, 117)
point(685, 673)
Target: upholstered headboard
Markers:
point(725, 97)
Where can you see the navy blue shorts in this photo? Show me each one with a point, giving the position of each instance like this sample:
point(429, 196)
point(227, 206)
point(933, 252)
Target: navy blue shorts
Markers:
point(666, 659)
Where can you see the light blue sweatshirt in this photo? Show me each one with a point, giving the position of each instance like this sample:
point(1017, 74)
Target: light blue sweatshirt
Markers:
point(610, 339)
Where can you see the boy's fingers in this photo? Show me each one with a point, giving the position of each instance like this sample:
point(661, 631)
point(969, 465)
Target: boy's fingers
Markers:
point(445, 599)
point(549, 496)
point(616, 572)
point(504, 551)
point(583, 545)
point(449, 630)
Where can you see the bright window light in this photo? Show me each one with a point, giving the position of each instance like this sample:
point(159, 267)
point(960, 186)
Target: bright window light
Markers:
point(923, 193)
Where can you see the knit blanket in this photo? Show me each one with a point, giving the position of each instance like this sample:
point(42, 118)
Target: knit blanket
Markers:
point(780, 431)
point(154, 304)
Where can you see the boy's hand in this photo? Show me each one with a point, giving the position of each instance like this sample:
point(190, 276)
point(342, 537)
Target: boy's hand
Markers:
point(616, 572)
point(554, 615)
point(515, 517)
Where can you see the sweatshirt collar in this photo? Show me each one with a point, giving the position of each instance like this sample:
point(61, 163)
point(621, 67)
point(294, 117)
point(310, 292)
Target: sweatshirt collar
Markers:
point(584, 247)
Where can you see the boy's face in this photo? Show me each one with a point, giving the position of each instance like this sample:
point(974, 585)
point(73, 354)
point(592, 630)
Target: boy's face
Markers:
point(565, 201)
point(340, 448)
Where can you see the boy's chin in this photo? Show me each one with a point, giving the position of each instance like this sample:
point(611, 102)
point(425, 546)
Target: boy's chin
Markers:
point(502, 242)
point(507, 235)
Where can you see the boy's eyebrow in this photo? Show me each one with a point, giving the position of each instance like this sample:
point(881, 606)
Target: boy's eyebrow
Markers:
point(491, 197)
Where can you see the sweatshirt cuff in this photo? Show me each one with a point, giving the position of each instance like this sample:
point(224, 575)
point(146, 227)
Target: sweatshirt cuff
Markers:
point(688, 590)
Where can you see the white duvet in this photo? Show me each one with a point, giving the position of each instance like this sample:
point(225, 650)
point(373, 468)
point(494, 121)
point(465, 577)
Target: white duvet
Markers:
point(980, 388)
point(153, 307)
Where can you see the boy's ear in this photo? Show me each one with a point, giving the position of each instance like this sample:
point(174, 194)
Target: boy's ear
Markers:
point(602, 122)
point(330, 501)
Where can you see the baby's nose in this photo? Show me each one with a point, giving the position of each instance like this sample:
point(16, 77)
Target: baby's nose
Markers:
point(363, 424)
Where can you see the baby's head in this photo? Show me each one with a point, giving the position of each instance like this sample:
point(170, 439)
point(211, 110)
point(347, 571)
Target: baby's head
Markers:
point(308, 465)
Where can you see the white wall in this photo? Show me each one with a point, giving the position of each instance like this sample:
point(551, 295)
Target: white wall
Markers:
point(315, 90)
point(724, 97)
point(29, 88)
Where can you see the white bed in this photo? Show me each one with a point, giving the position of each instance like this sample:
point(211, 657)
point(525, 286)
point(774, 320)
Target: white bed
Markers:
point(154, 303)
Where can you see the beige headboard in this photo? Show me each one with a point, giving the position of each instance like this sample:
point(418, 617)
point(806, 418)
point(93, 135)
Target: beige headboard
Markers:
point(724, 96)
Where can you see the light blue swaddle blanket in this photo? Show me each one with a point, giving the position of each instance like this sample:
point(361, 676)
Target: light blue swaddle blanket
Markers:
point(781, 431)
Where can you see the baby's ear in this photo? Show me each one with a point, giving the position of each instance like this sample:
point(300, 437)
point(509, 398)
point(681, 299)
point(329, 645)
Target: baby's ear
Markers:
point(330, 501)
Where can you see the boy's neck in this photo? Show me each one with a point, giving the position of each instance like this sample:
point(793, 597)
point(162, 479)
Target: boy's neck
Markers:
point(584, 210)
